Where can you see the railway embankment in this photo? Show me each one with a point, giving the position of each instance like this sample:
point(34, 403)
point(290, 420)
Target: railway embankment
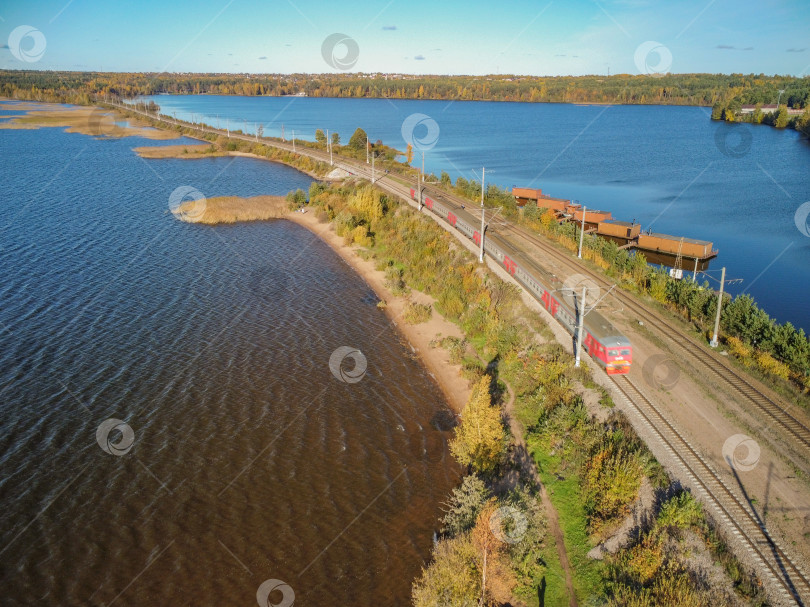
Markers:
point(584, 512)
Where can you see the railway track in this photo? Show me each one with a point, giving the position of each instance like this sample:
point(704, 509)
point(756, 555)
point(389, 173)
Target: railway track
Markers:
point(720, 370)
point(690, 350)
point(786, 579)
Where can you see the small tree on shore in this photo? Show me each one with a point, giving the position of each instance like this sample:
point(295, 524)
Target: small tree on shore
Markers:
point(335, 139)
point(358, 140)
point(320, 136)
point(479, 439)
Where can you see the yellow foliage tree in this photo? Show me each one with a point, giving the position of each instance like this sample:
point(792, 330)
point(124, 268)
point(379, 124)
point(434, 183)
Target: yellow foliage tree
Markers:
point(479, 440)
point(366, 205)
point(497, 579)
point(452, 578)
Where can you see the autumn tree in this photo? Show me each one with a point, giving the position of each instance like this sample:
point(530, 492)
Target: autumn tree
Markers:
point(358, 140)
point(782, 118)
point(497, 579)
point(335, 139)
point(479, 441)
point(452, 579)
point(320, 136)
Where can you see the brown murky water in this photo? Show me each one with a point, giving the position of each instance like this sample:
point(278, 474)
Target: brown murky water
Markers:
point(249, 459)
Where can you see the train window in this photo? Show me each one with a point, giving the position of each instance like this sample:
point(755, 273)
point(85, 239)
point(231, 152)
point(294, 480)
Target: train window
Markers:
point(625, 352)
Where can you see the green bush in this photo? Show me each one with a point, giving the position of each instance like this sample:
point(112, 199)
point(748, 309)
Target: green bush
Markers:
point(465, 503)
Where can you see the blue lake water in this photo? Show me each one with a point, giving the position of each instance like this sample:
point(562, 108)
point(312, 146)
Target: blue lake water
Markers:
point(670, 168)
point(249, 460)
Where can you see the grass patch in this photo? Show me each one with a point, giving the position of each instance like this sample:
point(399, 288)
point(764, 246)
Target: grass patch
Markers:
point(416, 313)
point(566, 496)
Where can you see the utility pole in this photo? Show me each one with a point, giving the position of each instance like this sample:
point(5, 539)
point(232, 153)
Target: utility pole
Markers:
point(372, 169)
point(282, 132)
point(481, 245)
point(329, 147)
point(779, 99)
point(713, 342)
point(228, 126)
point(366, 149)
point(419, 188)
point(582, 234)
point(293, 141)
point(694, 273)
point(581, 326)
point(257, 132)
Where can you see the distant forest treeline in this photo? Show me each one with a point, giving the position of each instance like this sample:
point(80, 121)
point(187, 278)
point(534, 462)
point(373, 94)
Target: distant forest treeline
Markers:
point(671, 89)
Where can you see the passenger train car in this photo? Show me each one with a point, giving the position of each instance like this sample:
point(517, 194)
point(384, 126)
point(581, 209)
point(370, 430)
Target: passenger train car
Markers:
point(603, 342)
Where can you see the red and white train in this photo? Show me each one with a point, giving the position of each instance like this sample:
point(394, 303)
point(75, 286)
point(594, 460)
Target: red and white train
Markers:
point(603, 342)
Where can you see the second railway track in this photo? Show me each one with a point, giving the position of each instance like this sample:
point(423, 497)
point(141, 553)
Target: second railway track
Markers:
point(784, 576)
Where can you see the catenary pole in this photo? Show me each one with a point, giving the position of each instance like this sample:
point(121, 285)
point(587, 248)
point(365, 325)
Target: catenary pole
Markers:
point(580, 327)
point(714, 342)
point(481, 244)
point(582, 232)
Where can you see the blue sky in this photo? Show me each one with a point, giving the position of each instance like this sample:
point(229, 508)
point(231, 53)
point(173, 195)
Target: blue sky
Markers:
point(556, 37)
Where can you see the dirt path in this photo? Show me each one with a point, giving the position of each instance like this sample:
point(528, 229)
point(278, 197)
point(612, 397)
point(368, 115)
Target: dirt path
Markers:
point(528, 470)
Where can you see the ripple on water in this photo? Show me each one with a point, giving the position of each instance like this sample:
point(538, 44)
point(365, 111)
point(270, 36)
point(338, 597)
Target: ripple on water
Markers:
point(251, 460)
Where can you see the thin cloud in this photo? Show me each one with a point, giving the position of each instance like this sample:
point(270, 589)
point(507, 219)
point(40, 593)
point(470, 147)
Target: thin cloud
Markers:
point(262, 58)
point(748, 48)
point(725, 47)
point(4, 46)
point(795, 50)
point(420, 57)
point(389, 28)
